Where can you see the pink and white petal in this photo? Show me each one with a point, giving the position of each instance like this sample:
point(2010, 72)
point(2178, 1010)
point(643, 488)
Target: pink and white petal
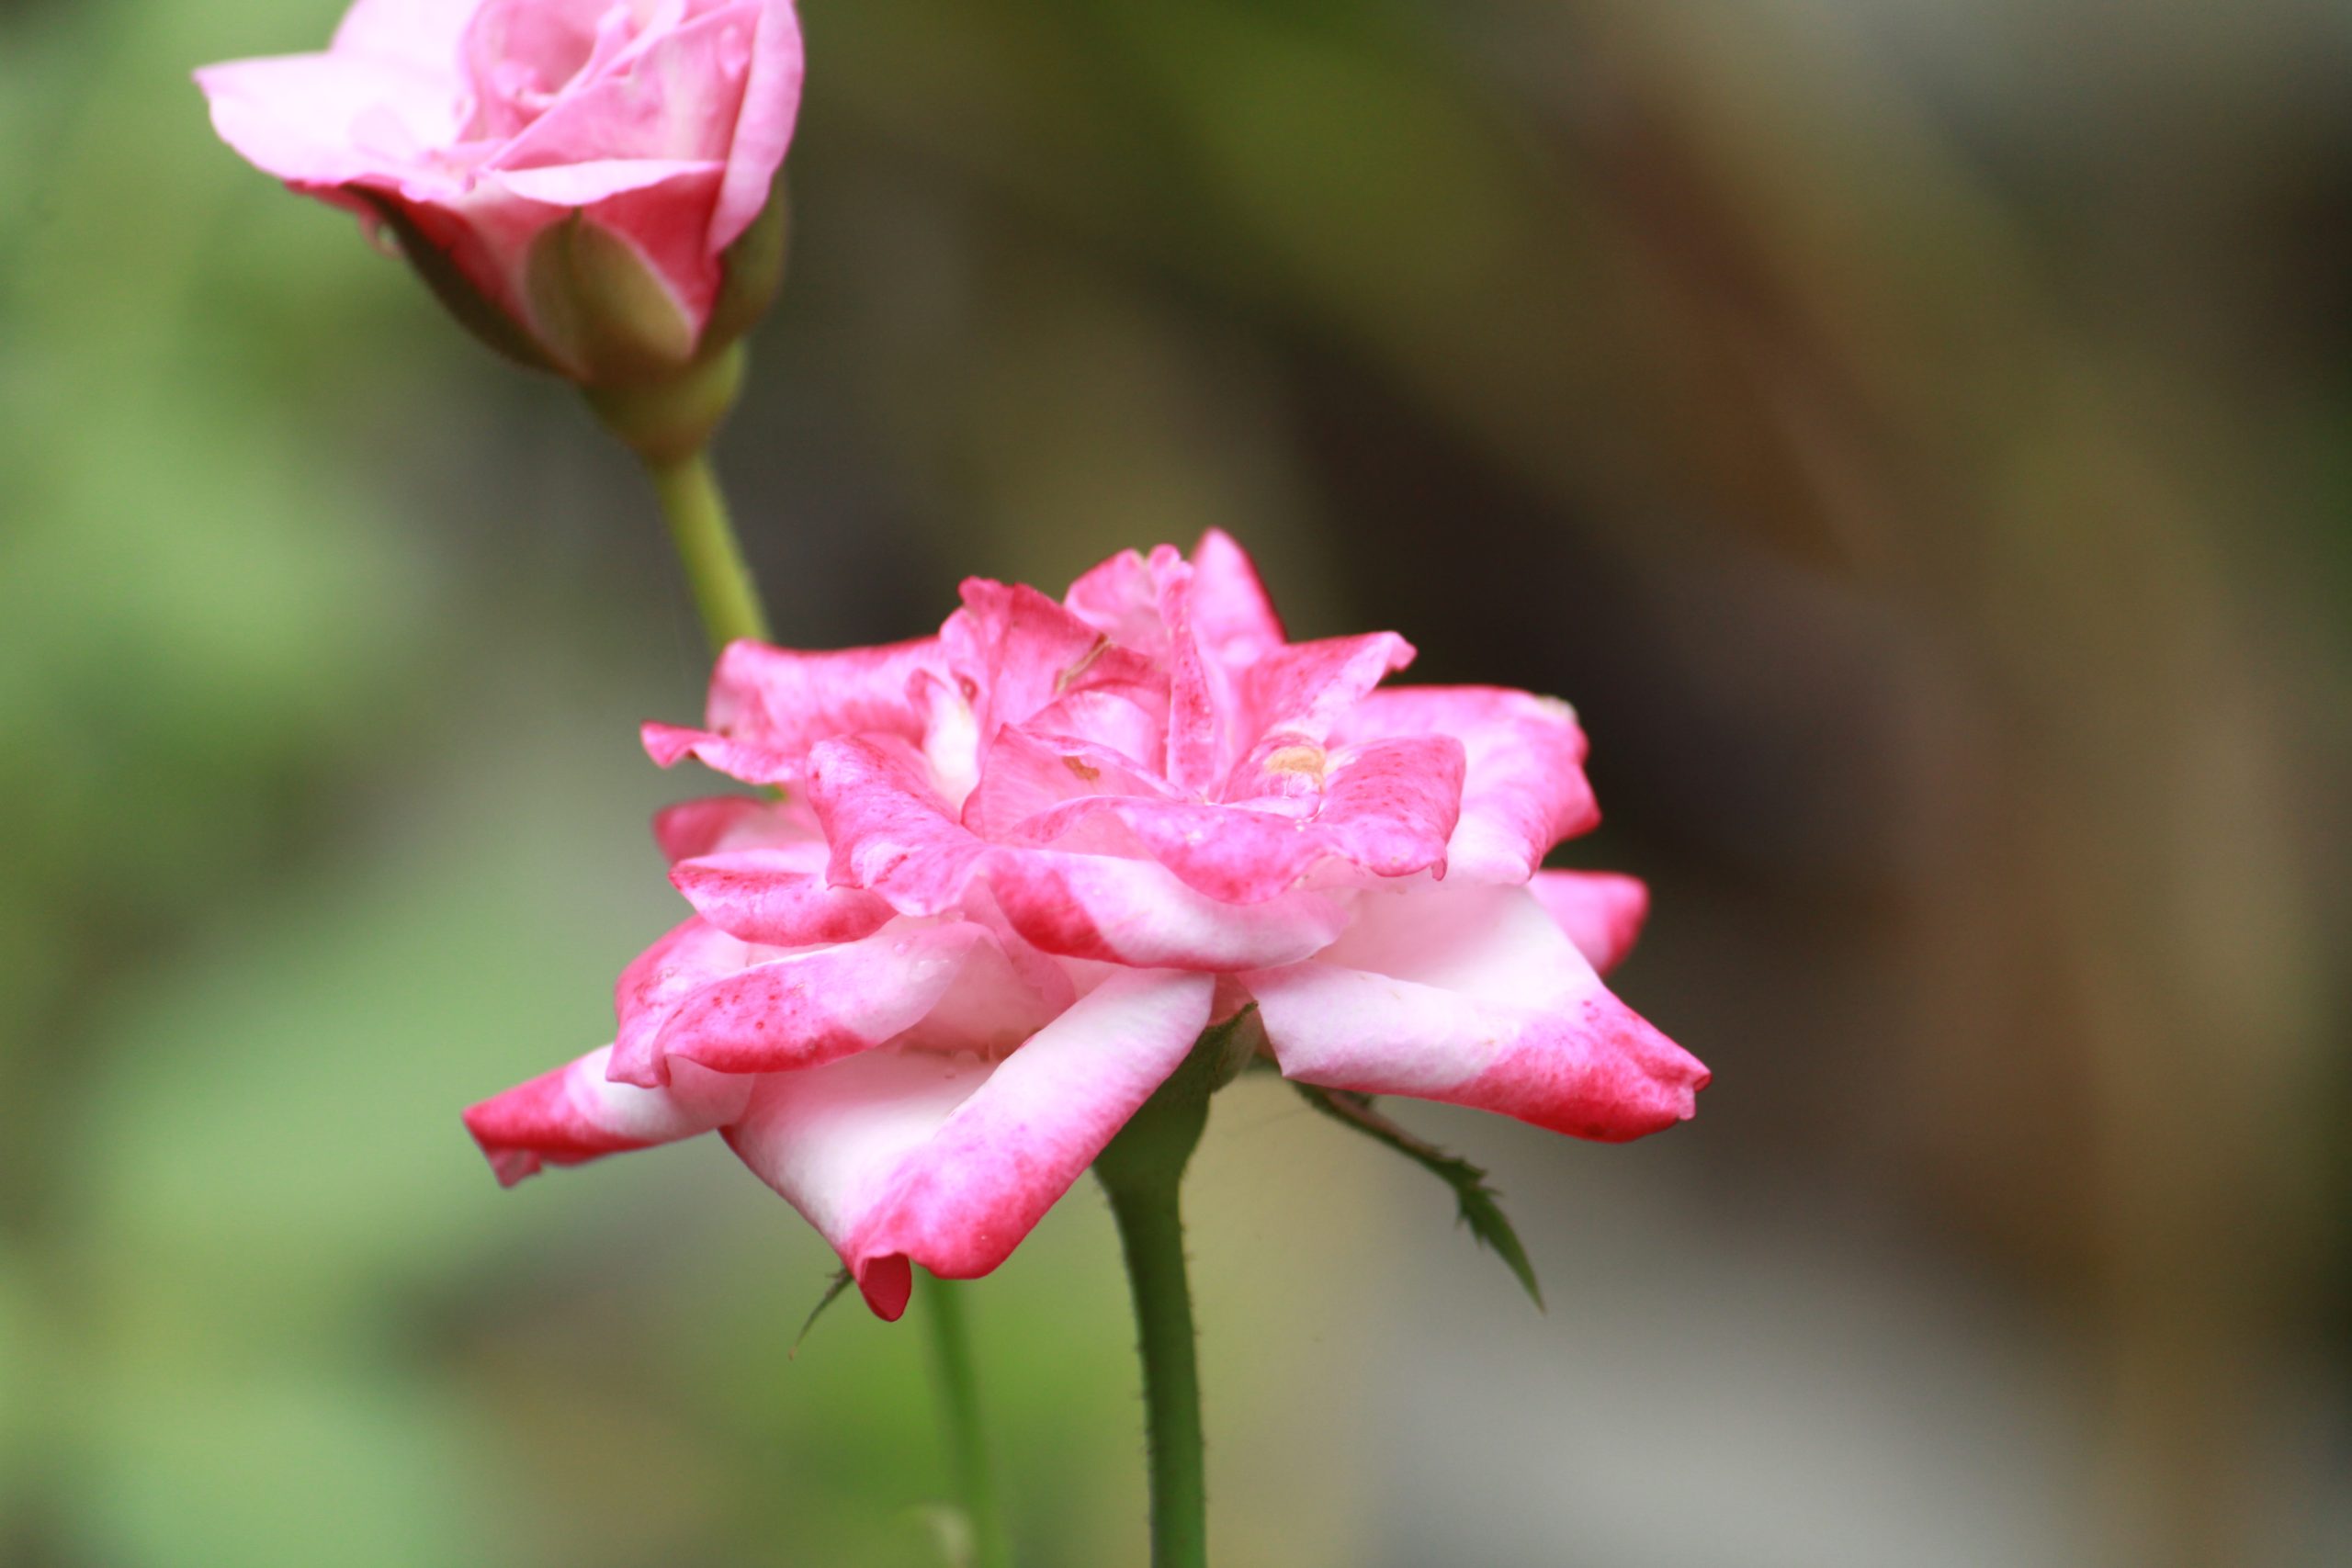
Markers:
point(784, 701)
point(1140, 914)
point(1601, 911)
point(323, 120)
point(1129, 721)
point(910, 1156)
point(1201, 704)
point(1005, 992)
point(723, 822)
point(1473, 996)
point(670, 744)
point(691, 955)
point(778, 896)
point(1233, 618)
point(592, 181)
point(803, 1008)
point(577, 1114)
point(1232, 853)
point(890, 831)
point(1388, 811)
point(1120, 599)
point(1391, 806)
point(1523, 789)
point(1021, 652)
point(763, 125)
point(1306, 688)
point(1027, 774)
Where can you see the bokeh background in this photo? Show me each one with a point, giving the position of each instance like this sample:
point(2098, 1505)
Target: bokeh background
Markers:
point(1917, 433)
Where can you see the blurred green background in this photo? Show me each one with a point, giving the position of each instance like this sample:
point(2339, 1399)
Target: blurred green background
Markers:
point(1917, 436)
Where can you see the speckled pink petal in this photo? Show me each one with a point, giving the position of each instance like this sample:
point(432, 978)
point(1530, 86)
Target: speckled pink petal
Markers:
point(1524, 787)
point(1474, 997)
point(1233, 618)
point(732, 822)
point(908, 1156)
point(577, 1114)
point(786, 1011)
point(778, 896)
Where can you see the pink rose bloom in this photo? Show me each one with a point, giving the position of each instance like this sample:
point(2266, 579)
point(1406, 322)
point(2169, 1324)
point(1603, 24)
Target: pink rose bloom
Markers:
point(475, 127)
point(1022, 864)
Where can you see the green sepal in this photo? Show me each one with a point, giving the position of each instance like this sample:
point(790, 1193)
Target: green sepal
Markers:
point(602, 309)
point(472, 309)
point(751, 273)
point(1159, 1139)
point(842, 1281)
point(1481, 1208)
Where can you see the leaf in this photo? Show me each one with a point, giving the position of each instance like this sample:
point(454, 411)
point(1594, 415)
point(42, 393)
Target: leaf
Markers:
point(842, 1281)
point(1480, 1205)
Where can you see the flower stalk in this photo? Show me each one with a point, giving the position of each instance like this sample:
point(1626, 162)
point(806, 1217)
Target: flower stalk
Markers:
point(728, 599)
point(959, 1403)
point(1143, 1172)
point(725, 595)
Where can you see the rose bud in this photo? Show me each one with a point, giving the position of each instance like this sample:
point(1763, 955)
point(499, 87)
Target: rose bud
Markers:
point(589, 186)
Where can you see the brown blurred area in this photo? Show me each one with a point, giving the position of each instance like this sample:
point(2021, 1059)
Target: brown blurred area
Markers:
point(1914, 436)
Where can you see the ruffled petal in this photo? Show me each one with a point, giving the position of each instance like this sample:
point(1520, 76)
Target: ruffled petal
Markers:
point(778, 896)
point(1016, 652)
point(763, 128)
point(719, 822)
point(670, 744)
point(324, 120)
point(892, 834)
point(1523, 788)
point(768, 706)
point(577, 1114)
point(890, 831)
point(1302, 690)
point(701, 996)
point(1233, 618)
point(674, 96)
point(1474, 997)
point(1601, 911)
point(908, 1157)
point(1138, 913)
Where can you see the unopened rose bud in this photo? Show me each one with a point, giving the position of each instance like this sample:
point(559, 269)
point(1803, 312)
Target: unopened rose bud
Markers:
point(590, 187)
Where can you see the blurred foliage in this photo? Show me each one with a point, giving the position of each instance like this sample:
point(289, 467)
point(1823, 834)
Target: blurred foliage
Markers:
point(1915, 436)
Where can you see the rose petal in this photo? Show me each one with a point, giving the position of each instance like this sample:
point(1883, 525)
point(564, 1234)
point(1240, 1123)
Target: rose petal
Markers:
point(324, 120)
point(719, 822)
point(763, 128)
point(1473, 996)
point(1601, 911)
point(1232, 615)
point(892, 834)
point(1523, 789)
point(577, 1114)
point(907, 1156)
point(778, 896)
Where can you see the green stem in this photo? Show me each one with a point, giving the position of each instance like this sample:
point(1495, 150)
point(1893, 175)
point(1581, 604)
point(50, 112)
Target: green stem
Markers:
point(1152, 1232)
point(1143, 1171)
point(730, 604)
point(723, 589)
point(960, 1403)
